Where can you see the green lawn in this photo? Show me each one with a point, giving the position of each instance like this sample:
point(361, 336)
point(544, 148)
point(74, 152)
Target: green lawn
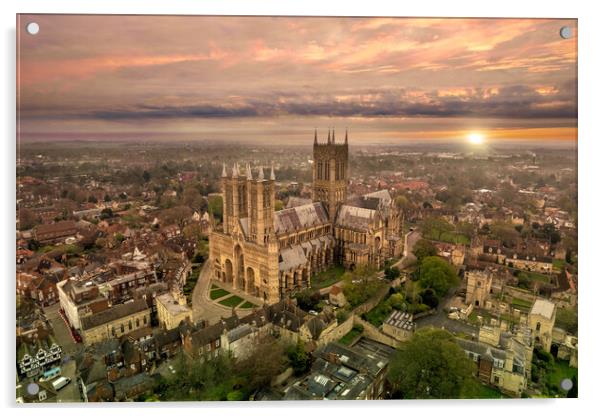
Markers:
point(559, 372)
point(231, 301)
point(247, 305)
point(521, 304)
point(348, 338)
point(377, 315)
point(214, 286)
point(218, 293)
point(448, 237)
point(486, 392)
point(328, 277)
point(558, 264)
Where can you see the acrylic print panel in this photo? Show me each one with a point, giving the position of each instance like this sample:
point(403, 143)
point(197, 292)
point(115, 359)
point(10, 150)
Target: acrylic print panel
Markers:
point(295, 208)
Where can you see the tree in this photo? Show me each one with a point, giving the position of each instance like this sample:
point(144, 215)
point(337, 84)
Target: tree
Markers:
point(216, 206)
point(279, 205)
point(437, 274)
point(146, 176)
point(106, 213)
point(27, 219)
point(424, 248)
point(176, 215)
point(259, 368)
point(505, 232)
point(392, 273)
point(429, 298)
point(566, 318)
point(192, 198)
point(431, 365)
point(308, 299)
point(434, 227)
point(298, 358)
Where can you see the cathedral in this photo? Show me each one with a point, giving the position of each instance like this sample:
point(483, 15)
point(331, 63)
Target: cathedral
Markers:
point(272, 254)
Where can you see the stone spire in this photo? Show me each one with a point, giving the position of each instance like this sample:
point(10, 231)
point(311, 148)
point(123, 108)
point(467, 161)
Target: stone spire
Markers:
point(249, 173)
point(260, 177)
point(235, 170)
point(224, 173)
point(272, 174)
point(333, 135)
point(328, 135)
point(345, 135)
point(315, 136)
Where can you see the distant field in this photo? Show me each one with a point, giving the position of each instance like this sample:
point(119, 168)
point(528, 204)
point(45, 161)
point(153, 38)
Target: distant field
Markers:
point(448, 237)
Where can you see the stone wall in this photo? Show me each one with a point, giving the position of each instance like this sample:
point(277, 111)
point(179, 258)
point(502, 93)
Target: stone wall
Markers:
point(372, 332)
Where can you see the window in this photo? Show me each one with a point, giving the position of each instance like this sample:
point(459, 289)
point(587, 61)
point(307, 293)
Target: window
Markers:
point(122, 329)
point(130, 325)
point(496, 380)
point(538, 326)
point(144, 320)
point(137, 322)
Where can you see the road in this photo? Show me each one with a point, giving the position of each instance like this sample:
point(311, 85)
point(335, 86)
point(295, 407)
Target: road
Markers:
point(440, 320)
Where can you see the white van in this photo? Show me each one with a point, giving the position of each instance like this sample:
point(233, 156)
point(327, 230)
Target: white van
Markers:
point(60, 382)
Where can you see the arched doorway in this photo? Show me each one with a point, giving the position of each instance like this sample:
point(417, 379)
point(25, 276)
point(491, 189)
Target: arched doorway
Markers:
point(240, 268)
point(229, 271)
point(251, 287)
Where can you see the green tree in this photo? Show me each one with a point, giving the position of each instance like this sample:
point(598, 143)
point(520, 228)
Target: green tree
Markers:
point(424, 248)
point(566, 318)
point(431, 365)
point(437, 274)
point(216, 207)
point(298, 357)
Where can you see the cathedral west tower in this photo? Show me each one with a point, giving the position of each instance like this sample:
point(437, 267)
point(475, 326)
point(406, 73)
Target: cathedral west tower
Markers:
point(330, 173)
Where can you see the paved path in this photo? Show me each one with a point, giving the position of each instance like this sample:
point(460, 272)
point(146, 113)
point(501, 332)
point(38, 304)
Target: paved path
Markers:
point(62, 332)
point(203, 307)
point(440, 320)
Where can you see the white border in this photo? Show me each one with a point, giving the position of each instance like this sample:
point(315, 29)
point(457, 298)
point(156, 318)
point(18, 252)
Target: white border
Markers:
point(590, 136)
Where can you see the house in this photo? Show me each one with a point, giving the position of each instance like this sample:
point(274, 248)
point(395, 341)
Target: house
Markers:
point(55, 232)
point(115, 321)
point(340, 372)
point(336, 296)
point(172, 310)
point(33, 358)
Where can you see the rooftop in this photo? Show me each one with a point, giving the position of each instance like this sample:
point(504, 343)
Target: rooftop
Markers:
point(543, 308)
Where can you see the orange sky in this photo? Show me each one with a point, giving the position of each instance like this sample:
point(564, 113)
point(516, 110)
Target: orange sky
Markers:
point(265, 78)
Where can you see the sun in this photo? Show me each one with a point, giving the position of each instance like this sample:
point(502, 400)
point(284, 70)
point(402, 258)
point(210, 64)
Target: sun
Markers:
point(475, 138)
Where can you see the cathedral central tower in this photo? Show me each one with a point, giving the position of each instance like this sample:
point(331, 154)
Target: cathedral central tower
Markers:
point(330, 172)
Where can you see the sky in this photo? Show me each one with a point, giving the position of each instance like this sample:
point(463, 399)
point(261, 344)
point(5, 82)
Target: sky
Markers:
point(276, 79)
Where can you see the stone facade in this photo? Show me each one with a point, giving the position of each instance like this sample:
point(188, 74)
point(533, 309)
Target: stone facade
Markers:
point(271, 254)
point(542, 318)
point(478, 287)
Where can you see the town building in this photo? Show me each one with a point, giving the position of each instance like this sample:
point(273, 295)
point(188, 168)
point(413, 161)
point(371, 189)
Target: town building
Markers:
point(542, 318)
point(115, 321)
point(478, 287)
point(172, 310)
point(399, 325)
point(341, 372)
